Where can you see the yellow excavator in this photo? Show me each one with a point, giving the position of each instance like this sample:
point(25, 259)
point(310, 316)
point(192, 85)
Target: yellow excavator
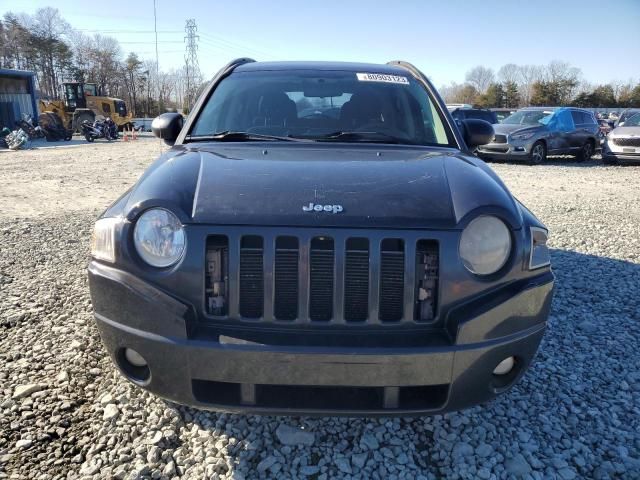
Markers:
point(82, 102)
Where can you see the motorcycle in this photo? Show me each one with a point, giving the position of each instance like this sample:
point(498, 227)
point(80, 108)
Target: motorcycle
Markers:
point(100, 128)
point(26, 124)
point(16, 139)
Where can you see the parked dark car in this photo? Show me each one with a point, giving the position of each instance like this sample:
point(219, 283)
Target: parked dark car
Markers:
point(478, 113)
point(532, 133)
point(358, 264)
point(502, 113)
point(629, 112)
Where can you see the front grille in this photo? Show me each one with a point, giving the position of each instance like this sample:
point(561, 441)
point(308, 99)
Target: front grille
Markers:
point(332, 279)
point(499, 138)
point(321, 398)
point(494, 148)
point(627, 142)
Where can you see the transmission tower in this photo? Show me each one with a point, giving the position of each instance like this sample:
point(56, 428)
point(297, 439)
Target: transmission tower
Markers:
point(191, 61)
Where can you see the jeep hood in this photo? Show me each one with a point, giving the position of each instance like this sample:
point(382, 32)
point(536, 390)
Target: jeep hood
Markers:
point(247, 184)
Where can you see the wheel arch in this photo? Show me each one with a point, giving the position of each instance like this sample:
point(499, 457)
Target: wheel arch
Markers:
point(81, 113)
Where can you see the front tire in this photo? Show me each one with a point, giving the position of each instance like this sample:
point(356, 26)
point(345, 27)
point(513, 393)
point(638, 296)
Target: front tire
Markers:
point(89, 137)
point(538, 153)
point(586, 152)
point(79, 119)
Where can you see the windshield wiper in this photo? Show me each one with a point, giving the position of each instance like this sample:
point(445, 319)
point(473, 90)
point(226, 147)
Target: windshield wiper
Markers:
point(230, 136)
point(375, 137)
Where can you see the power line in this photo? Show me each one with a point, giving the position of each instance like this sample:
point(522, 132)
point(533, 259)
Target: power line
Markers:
point(128, 31)
point(214, 39)
point(149, 43)
point(149, 52)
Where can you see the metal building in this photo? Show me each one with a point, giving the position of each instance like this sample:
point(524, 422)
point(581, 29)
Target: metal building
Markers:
point(17, 96)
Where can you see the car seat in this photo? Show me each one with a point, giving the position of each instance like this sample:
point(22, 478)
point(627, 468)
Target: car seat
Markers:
point(364, 107)
point(275, 109)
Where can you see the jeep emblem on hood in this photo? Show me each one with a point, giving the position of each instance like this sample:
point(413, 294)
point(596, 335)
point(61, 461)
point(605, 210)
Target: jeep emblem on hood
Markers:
point(314, 207)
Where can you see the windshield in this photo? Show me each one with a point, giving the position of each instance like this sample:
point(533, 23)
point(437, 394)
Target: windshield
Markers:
point(90, 89)
point(633, 121)
point(321, 105)
point(481, 115)
point(625, 115)
point(528, 117)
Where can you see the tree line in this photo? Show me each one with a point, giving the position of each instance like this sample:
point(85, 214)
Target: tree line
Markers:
point(555, 84)
point(46, 44)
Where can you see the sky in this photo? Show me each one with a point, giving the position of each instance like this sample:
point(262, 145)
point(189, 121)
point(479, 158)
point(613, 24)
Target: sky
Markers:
point(442, 38)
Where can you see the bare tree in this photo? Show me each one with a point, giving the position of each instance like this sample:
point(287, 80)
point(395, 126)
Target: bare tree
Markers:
point(480, 77)
point(529, 75)
point(166, 87)
point(509, 73)
point(105, 54)
point(564, 78)
point(620, 87)
point(14, 42)
point(40, 45)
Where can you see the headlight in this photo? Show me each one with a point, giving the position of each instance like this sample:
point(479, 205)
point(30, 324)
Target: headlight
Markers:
point(485, 245)
point(159, 238)
point(539, 251)
point(522, 136)
point(103, 244)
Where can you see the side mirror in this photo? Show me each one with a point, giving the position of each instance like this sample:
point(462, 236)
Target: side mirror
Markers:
point(167, 127)
point(476, 132)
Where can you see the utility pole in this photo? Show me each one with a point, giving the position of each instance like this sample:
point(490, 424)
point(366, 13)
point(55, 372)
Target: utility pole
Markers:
point(155, 29)
point(191, 61)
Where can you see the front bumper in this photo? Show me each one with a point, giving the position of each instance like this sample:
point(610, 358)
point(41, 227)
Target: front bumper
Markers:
point(188, 366)
point(619, 155)
point(505, 151)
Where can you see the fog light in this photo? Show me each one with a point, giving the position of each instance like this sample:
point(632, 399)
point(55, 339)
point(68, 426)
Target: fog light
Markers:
point(505, 366)
point(134, 358)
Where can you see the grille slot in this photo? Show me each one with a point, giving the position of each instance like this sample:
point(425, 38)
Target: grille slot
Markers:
point(285, 306)
point(251, 277)
point(391, 280)
point(427, 272)
point(321, 258)
point(356, 280)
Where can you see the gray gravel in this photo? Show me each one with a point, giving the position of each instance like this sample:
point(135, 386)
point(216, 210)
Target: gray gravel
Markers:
point(66, 413)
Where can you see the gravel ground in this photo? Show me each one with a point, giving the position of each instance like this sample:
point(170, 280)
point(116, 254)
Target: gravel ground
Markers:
point(66, 413)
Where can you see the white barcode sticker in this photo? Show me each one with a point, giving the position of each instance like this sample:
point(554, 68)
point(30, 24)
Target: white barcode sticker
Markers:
point(382, 77)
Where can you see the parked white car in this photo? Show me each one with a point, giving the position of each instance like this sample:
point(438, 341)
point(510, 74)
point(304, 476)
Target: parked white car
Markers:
point(623, 142)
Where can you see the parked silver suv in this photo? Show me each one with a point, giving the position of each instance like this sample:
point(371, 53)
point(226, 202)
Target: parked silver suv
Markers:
point(623, 142)
point(532, 133)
